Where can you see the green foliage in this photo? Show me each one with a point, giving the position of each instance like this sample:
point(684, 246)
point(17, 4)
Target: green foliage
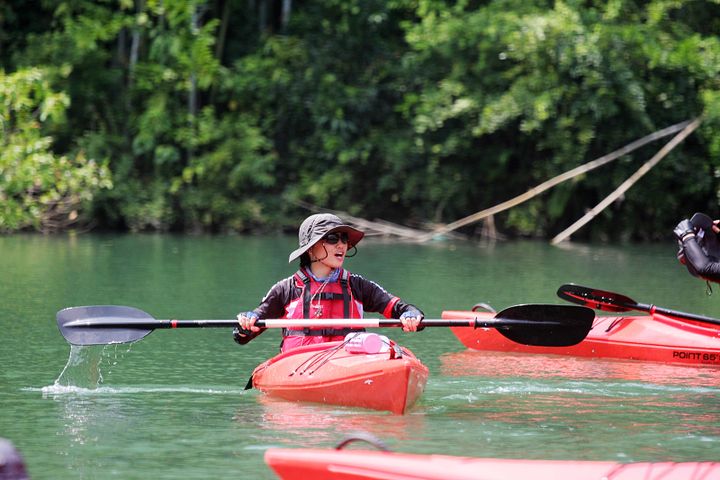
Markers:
point(218, 116)
point(562, 83)
point(38, 188)
point(218, 189)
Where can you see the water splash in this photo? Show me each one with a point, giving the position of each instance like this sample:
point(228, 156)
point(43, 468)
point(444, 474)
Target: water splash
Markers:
point(87, 367)
point(84, 367)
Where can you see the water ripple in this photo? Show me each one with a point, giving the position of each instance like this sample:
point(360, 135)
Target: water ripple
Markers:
point(56, 389)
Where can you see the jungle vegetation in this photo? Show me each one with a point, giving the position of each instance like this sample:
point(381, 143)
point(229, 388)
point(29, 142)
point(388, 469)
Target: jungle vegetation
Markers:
point(221, 115)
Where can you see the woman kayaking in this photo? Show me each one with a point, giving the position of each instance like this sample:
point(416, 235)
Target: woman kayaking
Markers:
point(321, 288)
point(699, 246)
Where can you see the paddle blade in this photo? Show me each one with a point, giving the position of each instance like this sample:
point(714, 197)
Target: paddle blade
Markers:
point(701, 220)
point(546, 325)
point(93, 325)
point(706, 237)
point(597, 299)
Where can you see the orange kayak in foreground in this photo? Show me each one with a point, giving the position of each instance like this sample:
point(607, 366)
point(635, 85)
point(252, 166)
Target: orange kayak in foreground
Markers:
point(327, 373)
point(317, 464)
point(656, 338)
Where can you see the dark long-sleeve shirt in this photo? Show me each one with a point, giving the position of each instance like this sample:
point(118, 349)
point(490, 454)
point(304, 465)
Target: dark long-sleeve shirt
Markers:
point(373, 297)
point(706, 266)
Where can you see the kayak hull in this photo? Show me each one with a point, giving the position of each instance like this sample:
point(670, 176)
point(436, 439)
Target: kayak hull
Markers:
point(326, 373)
point(656, 338)
point(317, 464)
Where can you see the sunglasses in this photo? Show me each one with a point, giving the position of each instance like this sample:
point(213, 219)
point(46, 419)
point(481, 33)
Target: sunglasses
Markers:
point(333, 238)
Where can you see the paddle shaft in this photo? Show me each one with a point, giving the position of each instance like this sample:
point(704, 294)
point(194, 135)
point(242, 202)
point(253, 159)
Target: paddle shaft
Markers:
point(616, 302)
point(542, 325)
point(143, 324)
point(653, 309)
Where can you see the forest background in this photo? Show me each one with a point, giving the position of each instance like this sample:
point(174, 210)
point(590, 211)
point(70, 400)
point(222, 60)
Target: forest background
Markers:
point(221, 116)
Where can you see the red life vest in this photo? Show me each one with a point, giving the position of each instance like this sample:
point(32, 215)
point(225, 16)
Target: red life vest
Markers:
point(320, 300)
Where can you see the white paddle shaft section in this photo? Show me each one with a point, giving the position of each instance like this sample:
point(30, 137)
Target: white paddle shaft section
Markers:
point(321, 323)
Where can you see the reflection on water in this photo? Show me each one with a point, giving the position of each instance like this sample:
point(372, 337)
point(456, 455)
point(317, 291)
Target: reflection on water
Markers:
point(150, 424)
point(54, 391)
point(635, 410)
point(322, 425)
point(499, 364)
point(579, 420)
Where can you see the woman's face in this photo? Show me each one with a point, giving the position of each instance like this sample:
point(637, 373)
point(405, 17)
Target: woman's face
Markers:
point(330, 250)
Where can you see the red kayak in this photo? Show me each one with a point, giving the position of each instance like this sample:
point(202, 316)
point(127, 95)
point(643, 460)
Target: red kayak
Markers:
point(316, 464)
point(327, 373)
point(656, 338)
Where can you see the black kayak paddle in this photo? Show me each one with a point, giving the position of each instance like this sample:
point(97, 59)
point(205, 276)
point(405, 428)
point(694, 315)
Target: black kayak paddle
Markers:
point(615, 302)
point(531, 324)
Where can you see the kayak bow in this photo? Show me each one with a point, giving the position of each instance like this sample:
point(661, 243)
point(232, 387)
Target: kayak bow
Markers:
point(327, 373)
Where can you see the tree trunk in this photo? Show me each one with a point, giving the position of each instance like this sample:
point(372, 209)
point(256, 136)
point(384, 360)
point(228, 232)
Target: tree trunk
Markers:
point(262, 16)
point(192, 95)
point(135, 44)
point(222, 35)
point(285, 15)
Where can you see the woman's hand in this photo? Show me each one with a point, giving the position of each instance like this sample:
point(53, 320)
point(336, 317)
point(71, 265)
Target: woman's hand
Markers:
point(247, 321)
point(411, 321)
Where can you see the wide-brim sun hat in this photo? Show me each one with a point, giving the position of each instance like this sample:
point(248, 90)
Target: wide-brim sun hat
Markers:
point(315, 227)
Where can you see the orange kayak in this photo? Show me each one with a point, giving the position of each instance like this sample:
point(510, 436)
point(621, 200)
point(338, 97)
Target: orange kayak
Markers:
point(327, 373)
point(317, 464)
point(656, 338)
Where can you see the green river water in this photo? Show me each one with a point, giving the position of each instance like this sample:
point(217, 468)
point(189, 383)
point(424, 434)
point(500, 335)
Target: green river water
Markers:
point(173, 405)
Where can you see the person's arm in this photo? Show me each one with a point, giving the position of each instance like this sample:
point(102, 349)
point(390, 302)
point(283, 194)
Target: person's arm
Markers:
point(376, 299)
point(271, 306)
point(695, 256)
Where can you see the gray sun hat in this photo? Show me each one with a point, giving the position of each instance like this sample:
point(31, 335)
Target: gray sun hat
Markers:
point(317, 226)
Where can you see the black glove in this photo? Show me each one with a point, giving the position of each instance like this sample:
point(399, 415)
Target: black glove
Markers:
point(683, 228)
point(242, 336)
point(412, 313)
